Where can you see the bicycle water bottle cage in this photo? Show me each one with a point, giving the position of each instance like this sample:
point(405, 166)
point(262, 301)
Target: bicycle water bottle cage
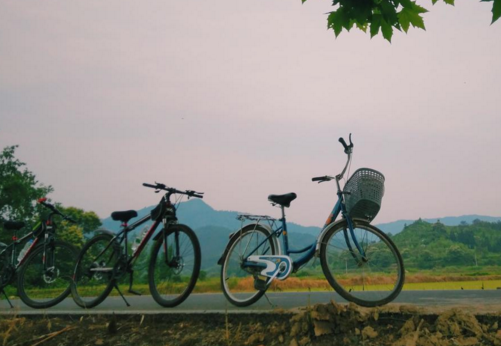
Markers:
point(123, 216)
point(283, 200)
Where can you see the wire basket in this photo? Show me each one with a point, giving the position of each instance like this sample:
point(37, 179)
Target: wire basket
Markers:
point(364, 192)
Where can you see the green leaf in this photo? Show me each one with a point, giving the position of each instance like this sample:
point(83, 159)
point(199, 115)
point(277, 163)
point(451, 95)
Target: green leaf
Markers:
point(496, 10)
point(419, 9)
point(303, 1)
point(375, 24)
point(404, 19)
point(449, 2)
point(407, 3)
point(386, 29)
point(335, 21)
point(362, 27)
point(434, 1)
point(389, 12)
point(408, 16)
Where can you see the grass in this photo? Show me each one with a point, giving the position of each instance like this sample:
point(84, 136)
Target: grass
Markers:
point(424, 280)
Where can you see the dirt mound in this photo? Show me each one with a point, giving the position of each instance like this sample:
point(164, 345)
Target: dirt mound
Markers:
point(323, 324)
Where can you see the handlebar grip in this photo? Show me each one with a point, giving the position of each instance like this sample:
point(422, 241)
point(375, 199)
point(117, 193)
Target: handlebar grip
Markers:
point(318, 178)
point(199, 196)
point(341, 140)
point(149, 185)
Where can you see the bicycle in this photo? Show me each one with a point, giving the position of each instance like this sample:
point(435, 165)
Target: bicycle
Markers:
point(45, 268)
point(174, 264)
point(360, 262)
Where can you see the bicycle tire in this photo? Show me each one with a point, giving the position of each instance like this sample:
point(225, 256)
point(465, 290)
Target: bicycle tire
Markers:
point(91, 282)
point(170, 293)
point(231, 269)
point(40, 288)
point(371, 287)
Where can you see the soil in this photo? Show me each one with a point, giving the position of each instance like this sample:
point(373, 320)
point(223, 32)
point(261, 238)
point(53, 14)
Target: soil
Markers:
point(323, 324)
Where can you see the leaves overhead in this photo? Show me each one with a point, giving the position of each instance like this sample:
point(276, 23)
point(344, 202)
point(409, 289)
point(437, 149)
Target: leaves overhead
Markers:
point(384, 15)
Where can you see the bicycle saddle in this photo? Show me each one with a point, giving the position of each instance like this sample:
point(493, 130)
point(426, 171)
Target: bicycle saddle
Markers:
point(283, 200)
point(123, 216)
point(13, 225)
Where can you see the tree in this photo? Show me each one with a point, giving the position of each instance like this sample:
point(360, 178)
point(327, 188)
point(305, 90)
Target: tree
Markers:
point(88, 221)
point(384, 15)
point(18, 189)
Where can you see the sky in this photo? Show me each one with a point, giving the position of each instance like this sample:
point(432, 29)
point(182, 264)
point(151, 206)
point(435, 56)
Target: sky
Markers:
point(242, 99)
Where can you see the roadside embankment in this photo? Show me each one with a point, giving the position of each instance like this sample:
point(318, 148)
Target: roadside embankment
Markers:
point(321, 324)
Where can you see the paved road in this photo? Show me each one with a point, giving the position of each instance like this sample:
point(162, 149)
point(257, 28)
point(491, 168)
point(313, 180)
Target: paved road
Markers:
point(216, 302)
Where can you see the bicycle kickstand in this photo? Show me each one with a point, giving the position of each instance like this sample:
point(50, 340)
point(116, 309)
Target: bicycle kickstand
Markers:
point(6, 297)
point(130, 284)
point(121, 295)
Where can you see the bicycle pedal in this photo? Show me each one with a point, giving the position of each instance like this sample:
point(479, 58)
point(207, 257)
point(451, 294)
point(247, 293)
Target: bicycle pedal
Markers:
point(260, 285)
point(134, 292)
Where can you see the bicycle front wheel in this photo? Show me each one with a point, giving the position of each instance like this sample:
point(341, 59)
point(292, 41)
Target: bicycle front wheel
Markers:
point(45, 277)
point(95, 271)
point(238, 281)
point(174, 265)
point(372, 278)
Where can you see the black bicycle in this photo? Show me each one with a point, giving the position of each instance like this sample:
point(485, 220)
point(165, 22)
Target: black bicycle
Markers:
point(174, 263)
point(44, 266)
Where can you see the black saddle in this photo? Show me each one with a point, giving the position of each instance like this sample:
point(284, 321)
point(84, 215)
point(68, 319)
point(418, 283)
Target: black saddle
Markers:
point(283, 200)
point(123, 216)
point(13, 225)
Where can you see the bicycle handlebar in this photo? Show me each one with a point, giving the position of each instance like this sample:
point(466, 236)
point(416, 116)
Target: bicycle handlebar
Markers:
point(43, 201)
point(347, 148)
point(322, 179)
point(189, 193)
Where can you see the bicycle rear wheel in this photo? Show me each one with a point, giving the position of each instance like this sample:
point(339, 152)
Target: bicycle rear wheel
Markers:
point(237, 281)
point(174, 265)
point(94, 274)
point(45, 277)
point(373, 280)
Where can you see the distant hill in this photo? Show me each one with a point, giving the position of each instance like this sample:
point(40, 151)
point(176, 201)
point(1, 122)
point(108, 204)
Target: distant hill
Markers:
point(197, 214)
point(213, 227)
point(397, 226)
point(426, 245)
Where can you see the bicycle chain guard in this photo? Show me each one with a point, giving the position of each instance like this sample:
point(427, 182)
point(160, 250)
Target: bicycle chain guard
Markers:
point(278, 266)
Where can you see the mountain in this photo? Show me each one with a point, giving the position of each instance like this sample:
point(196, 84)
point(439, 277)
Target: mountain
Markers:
point(214, 226)
point(196, 213)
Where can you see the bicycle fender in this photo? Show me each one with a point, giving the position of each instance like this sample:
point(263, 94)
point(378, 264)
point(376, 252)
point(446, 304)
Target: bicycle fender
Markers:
point(233, 235)
point(104, 231)
point(332, 225)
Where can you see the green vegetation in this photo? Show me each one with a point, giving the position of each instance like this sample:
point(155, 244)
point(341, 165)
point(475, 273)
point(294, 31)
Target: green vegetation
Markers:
point(435, 246)
point(19, 189)
point(384, 15)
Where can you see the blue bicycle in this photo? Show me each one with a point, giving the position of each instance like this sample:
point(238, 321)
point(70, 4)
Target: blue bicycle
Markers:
point(360, 262)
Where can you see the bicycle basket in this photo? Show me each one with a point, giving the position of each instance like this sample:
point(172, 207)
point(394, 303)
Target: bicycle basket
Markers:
point(366, 190)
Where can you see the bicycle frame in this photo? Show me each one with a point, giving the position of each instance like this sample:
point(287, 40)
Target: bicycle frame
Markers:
point(310, 250)
point(121, 237)
point(39, 230)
